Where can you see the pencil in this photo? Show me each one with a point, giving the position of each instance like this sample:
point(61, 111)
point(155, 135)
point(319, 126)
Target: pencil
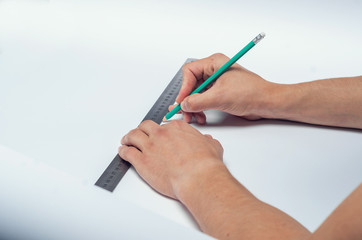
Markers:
point(217, 74)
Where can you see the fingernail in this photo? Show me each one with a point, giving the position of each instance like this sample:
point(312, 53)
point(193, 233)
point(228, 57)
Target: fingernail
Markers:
point(184, 106)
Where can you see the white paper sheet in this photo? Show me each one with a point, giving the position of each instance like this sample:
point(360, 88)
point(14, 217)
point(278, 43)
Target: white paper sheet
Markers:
point(40, 202)
point(76, 77)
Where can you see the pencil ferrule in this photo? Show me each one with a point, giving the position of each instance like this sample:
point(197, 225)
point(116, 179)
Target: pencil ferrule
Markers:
point(258, 38)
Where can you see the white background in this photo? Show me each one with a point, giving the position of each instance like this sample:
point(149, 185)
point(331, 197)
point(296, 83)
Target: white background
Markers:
point(75, 76)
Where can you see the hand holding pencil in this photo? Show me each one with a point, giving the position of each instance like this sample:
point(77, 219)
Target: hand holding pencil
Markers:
point(237, 91)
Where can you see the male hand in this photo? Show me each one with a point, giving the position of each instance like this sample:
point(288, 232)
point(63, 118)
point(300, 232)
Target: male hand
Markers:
point(172, 156)
point(237, 91)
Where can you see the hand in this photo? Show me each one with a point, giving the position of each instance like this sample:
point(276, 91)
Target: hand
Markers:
point(169, 157)
point(237, 91)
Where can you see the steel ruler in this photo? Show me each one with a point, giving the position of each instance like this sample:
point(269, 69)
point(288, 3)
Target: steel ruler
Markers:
point(118, 167)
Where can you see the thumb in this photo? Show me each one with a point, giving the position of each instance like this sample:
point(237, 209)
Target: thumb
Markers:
point(199, 102)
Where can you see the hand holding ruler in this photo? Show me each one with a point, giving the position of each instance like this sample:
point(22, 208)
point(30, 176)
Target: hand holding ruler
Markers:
point(118, 167)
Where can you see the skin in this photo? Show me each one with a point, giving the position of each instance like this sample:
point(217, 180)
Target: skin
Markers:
point(332, 102)
point(196, 175)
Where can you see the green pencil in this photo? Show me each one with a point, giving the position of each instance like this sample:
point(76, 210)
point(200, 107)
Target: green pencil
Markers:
point(217, 74)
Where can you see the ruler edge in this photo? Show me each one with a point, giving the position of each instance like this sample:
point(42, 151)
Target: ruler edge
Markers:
point(166, 89)
point(117, 159)
point(118, 177)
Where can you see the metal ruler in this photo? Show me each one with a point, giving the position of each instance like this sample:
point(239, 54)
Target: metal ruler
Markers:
point(118, 167)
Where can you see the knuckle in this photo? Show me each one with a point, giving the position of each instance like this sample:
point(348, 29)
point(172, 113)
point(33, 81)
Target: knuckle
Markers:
point(219, 145)
point(216, 141)
point(148, 122)
point(145, 123)
point(133, 132)
point(186, 66)
point(217, 55)
point(120, 149)
point(208, 136)
point(125, 139)
point(159, 131)
point(149, 145)
point(123, 151)
point(126, 152)
point(177, 123)
point(191, 102)
point(218, 59)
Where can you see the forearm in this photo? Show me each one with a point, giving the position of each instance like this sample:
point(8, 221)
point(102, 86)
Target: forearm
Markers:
point(226, 210)
point(345, 221)
point(333, 102)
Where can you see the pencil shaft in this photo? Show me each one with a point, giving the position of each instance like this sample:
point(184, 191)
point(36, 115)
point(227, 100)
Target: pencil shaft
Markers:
point(225, 67)
point(220, 71)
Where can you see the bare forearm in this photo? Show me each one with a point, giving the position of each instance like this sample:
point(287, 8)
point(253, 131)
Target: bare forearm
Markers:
point(345, 221)
point(333, 102)
point(227, 210)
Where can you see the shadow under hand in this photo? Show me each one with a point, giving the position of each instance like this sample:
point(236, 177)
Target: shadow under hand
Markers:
point(221, 119)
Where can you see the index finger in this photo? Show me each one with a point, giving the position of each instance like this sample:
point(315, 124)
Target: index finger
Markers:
point(148, 126)
point(194, 73)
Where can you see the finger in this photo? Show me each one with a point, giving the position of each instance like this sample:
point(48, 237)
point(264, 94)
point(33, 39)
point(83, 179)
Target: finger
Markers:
point(191, 74)
point(148, 126)
point(187, 117)
point(200, 118)
point(196, 72)
point(188, 83)
point(199, 102)
point(181, 125)
point(208, 136)
point(130, 154)
point(136, 138)
point(219, 146)
point(172, 107)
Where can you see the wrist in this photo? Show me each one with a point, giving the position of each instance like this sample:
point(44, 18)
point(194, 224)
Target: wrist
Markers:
point(276, 101)
point(210, 182)
point(200, 178)
point(214, 197)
